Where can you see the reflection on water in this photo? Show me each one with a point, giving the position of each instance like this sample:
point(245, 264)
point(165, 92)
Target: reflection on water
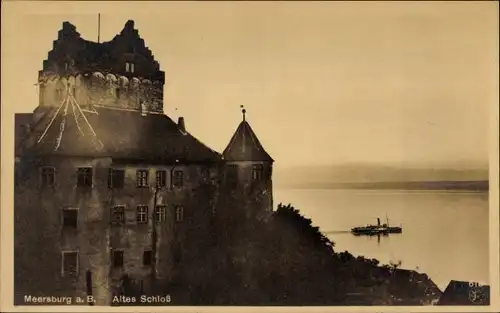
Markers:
point(445, 234)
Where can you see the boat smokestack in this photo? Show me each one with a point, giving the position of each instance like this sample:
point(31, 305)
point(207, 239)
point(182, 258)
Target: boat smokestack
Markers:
point(378, 221)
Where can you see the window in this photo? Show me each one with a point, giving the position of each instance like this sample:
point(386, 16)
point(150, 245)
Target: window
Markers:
point(257, 172)
point(205, 173)
point(73, 91)
point(232, 173)
point(142, 178)
point(84, 177)
point(179, 213)
point(147, 258)
point(160, 213)
point(142, 214)
point(42, 94)
point(47, 176)
point(118, 214)
point(129, 67)
point(161, 178)
point(178, 178)
point(69, 263)
point(70, 217)
point(117, 258)
point(116, 178)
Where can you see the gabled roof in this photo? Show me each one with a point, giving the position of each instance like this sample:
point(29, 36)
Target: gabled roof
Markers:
point(124, 134)
point(245, 146)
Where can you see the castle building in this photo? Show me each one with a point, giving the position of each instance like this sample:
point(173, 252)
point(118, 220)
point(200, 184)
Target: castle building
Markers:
point(107, 185)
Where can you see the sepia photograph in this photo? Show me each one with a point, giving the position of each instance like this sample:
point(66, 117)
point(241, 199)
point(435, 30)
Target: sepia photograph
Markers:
point(336, 154)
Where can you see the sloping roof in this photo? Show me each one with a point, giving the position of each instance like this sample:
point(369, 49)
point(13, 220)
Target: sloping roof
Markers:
point(124, 134)
point(68, 133)
point(461, 293)
point(20, 121)
point(245, 146)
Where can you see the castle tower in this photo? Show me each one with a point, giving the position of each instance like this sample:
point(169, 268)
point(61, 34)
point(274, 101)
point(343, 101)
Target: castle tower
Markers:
point(120, 74)
point(248, 170)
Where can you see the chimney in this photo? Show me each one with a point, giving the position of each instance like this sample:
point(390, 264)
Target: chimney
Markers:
point(181, 124)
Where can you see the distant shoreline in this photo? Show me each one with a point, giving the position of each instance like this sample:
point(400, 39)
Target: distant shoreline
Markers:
point(472, 186)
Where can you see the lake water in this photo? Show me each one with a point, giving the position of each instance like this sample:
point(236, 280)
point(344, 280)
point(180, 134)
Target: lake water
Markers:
point(445, 234)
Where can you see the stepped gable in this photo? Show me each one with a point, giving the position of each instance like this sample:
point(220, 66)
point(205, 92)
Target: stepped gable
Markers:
point(125, 135)
point(87, 56)
point(133, 42)
point(245, 146)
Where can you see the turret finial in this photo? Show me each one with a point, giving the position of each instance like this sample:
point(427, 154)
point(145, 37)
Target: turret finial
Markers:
point(243, 111)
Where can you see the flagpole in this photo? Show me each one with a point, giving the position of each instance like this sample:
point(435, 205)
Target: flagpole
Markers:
point(99, 28)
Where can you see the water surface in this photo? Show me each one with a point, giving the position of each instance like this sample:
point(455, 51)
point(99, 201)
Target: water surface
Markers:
point(445, 234)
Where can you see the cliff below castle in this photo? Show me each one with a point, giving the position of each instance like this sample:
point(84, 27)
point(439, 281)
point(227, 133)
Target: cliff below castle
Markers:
point(286, 261)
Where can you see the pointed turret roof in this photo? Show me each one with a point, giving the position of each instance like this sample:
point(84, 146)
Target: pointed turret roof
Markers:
point(245, 146)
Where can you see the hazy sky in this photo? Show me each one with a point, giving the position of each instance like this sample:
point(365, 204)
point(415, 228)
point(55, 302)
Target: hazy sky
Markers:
point(323, 82)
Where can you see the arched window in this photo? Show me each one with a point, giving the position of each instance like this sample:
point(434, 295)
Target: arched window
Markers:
point(111, 85)
point(80, 90)
point(60, 90)
point(134, 83)
point(97, 82)
point(121, 91)
point(41, 92)
point(146, 91)
point(123, 81)
point(71, 84)
point(134, 89)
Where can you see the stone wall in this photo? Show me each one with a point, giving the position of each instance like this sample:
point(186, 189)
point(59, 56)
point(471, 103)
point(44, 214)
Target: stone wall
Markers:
point(39, 233)
point(252, 196)
point(97, 89)
point(40, 236)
